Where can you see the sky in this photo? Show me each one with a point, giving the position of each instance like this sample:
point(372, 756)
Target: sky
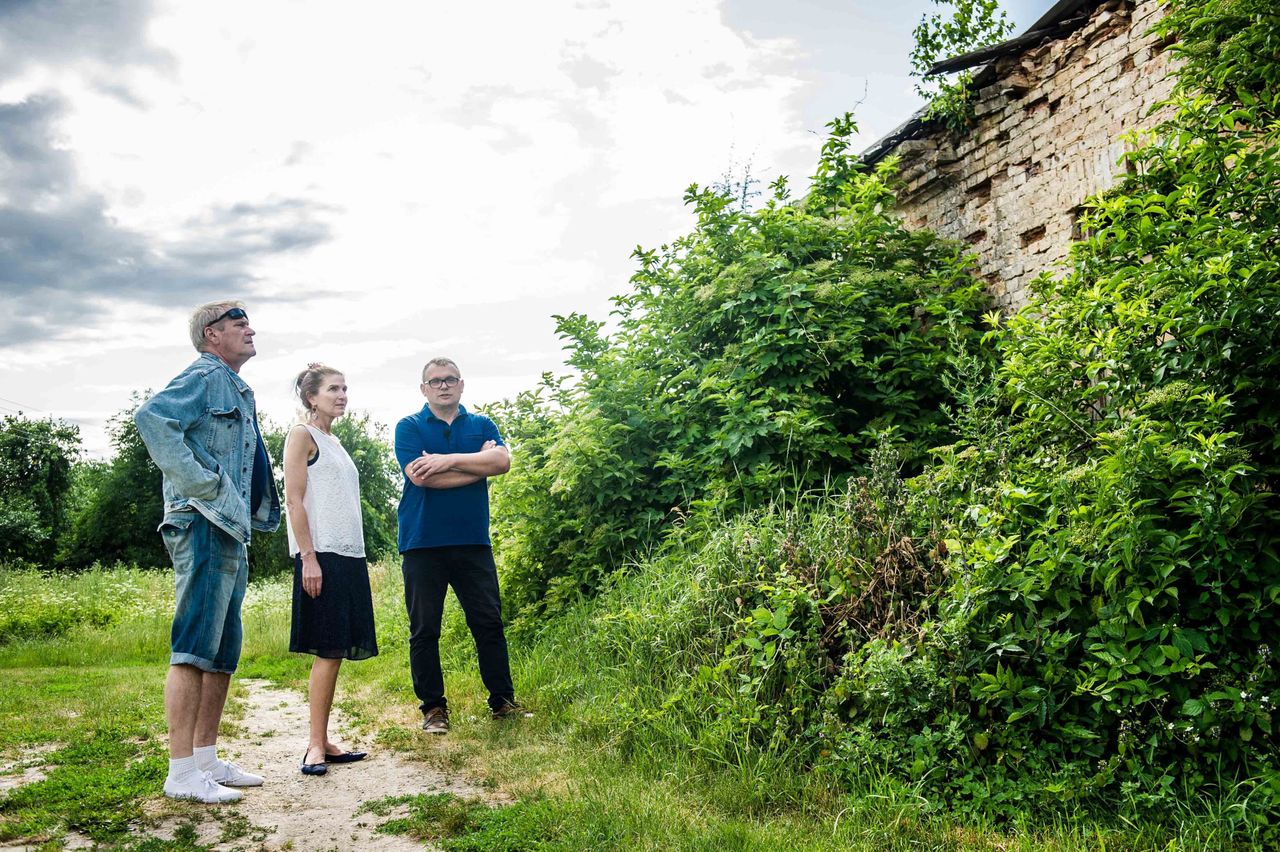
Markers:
point(385, 182)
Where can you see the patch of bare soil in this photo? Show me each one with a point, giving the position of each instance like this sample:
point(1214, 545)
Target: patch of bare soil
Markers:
point(26, 769)
point(294, 811)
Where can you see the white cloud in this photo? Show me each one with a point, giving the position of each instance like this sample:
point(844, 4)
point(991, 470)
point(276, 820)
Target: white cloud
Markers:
point(465, 170)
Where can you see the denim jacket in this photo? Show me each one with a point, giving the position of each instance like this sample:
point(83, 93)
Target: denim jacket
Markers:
point(201, 431)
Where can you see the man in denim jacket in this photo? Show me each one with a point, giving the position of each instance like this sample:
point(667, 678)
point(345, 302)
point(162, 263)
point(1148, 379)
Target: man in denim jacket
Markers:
point(202, 432)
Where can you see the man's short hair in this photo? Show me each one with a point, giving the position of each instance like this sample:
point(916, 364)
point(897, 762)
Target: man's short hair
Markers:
point(204, 316)
point(440, 362)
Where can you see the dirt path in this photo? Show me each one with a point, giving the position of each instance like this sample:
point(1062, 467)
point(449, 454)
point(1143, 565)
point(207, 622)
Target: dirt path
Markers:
point(295, 811)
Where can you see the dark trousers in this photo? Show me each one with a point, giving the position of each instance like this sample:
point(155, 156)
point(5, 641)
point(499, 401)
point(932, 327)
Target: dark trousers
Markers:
point(428, 573)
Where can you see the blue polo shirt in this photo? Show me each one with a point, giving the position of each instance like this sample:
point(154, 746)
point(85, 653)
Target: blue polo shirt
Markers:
point(442, 517)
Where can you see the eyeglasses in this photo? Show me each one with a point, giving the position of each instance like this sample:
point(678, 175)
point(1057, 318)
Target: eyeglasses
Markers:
point(446, 382)
point(234, 313)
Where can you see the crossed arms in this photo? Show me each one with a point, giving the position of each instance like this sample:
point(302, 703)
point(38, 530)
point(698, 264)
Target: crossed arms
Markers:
point(453, 470)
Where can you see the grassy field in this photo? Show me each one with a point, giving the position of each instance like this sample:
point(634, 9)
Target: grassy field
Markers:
point(82, 703)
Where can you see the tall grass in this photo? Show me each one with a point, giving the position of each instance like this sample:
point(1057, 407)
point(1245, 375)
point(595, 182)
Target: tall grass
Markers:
point(635, 682)
point(36, 605)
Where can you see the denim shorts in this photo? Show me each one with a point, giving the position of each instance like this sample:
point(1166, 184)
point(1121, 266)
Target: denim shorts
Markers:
point(211, 571)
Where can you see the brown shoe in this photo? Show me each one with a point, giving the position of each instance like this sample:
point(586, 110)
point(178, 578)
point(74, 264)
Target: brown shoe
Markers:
point(511, 710)
point(436, 721)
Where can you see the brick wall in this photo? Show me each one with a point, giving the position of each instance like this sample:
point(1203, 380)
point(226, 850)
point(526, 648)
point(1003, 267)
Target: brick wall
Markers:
point(1047, 135)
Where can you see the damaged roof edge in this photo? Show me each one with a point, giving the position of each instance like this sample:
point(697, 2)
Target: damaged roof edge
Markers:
point(1062, 18)
point(1065, 15)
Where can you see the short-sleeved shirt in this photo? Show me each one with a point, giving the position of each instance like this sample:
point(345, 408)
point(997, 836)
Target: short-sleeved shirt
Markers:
point(443, 517)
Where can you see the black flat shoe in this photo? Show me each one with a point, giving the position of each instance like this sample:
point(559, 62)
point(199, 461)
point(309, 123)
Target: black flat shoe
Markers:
point(312, 768)
point(345, 757)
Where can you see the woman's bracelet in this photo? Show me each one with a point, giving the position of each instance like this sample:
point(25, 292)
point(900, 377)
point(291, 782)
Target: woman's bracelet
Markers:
point(305, 553)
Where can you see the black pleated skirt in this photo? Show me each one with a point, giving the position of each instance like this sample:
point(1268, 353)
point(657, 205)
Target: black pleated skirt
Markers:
point(338, 624)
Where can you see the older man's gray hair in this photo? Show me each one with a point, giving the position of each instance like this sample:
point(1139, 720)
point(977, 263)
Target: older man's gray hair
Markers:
point(205, 315)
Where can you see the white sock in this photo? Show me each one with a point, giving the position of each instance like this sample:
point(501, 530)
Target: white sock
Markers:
point(182, 768)
point(206, 757)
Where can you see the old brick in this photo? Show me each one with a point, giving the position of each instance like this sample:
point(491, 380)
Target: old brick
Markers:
point(1046, 136)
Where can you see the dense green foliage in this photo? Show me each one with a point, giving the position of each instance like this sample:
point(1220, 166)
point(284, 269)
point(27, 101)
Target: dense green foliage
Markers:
point(972, 24)
point(764, 353)
point(32, 606)
point(116, 505)
point(1114, 579)
point(1070, 609)
point(36, 457)
point(380, 480)
point(716, 662)
point(56, 512)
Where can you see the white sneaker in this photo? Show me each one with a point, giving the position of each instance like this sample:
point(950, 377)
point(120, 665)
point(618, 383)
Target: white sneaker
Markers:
point(201, 788)
point(228, 774)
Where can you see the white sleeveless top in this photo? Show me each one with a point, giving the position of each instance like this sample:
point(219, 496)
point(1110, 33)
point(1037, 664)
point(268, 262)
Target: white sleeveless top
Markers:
point(332, 500)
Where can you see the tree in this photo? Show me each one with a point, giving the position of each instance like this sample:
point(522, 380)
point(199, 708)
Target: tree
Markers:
point(973, 24)
point(35, 474)
point(269, 552)
point(118, 504)
point(380, 478)
point(379, 490)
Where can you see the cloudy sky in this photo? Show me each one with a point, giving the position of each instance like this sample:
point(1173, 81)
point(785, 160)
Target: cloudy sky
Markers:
point(386, 181)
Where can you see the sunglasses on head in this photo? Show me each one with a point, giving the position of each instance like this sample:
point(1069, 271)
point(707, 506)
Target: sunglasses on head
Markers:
point(234, 313)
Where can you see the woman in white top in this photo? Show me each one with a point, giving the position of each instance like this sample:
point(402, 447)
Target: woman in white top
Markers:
point(332, 605)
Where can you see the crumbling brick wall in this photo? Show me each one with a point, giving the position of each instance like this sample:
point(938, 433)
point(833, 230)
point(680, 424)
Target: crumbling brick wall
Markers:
point(1047, 135)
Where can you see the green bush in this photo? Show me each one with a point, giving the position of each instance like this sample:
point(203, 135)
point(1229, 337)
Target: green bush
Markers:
point(764, 353)
point(971, 25)
point(115, 507)
point(365, 441)
point(36, 458)
point(1070, 609)
point(1113, 577)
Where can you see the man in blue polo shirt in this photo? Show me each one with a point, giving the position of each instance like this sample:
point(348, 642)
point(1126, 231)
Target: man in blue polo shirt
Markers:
point(447, 455)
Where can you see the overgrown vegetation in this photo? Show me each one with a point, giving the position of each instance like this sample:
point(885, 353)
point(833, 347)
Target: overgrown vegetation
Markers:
point(58, 512)
point(765, 353)
point(32, 606)
point(1110, 512)
point(36, 458)
point(1069, 609)
point(971, 25)
point(85, 711)
point(802, 538)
